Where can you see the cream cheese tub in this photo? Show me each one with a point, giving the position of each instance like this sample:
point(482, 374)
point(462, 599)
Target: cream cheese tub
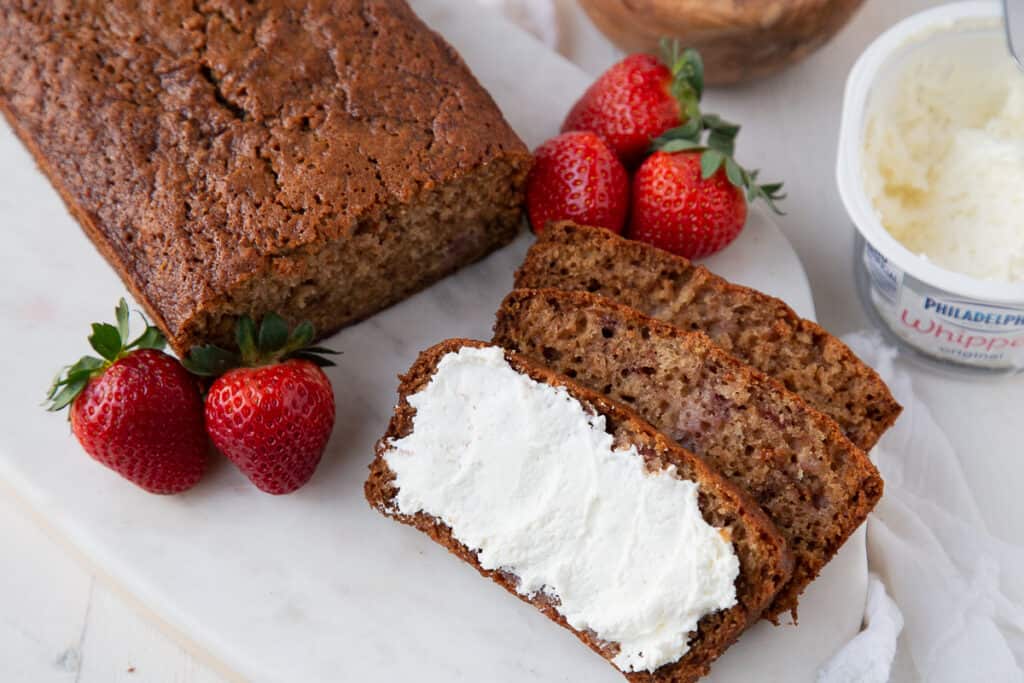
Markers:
point(931, 170)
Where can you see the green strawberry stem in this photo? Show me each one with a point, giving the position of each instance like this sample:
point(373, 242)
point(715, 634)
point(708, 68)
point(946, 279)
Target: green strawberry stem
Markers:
point(112, 343)
point(271, 343)
point(717, 147)
point(687, 70)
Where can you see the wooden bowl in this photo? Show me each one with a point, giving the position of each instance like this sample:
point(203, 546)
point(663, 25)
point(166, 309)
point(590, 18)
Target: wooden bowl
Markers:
point(739, 39)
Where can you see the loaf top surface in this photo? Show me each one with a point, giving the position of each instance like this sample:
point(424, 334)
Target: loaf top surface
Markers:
point(202, 141)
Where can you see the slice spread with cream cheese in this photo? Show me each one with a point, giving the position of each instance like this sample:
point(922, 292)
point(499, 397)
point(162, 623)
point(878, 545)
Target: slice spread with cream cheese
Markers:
point(522, 474)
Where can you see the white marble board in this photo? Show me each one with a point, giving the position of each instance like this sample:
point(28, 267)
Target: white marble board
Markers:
point(316, 586)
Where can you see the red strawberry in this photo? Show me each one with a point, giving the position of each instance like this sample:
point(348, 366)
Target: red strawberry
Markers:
point(689, 197)
point(272, 416)
point(576, 176)
point(136, 409)
point(638, 99)
point(674, 208)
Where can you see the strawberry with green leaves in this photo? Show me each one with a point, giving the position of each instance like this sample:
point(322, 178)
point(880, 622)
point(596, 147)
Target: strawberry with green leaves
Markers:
point(135, 409)
point(270, 409)
point(690, 196)
point(638, 99)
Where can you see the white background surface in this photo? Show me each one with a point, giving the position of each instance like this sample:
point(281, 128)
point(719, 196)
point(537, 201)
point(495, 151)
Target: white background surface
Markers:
point(58, 623)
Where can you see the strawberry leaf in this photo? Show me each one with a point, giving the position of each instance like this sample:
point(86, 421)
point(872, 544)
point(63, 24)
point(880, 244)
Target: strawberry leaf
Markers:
point(106, 340)
point(273, 333)
point(769, 193)
point(121, 315)
point(317, 360)
point(687, 71)
point(151, 338)
point(714, 122)
point(722, 142)
point(70, 381)
point(302, 335)
point(111, 343)
point(733, 172)
point(686, 65)
point(55, 384)
point(85, 365)
point(692, 68)
point(680, 146)
point(710, 161)
point(321, 349)
point(210, 361)
point(245, 338)
point(690, 130)
point(709, 134)
point(275, 344)
point(66, 394)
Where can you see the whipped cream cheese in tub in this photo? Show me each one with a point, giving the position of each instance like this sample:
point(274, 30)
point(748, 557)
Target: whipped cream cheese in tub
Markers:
point(526, 477)
point(931, 170)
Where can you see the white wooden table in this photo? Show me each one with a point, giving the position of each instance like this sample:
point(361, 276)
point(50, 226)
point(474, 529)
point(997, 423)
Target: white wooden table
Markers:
point(60, 623)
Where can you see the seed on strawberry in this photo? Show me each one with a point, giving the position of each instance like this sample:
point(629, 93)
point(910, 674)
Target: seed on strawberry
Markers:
point(271, 409)
point(135, 409)
point(638, 99)
point(576, 176)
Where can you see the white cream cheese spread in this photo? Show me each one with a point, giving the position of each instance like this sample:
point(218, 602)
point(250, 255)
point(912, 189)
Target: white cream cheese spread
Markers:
point(526, 477)
point(943, 158)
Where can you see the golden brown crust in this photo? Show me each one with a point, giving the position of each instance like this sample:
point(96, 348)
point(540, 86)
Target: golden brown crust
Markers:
point(758, 329)
point(231, 157)
point(815, 485)
point(765, 563)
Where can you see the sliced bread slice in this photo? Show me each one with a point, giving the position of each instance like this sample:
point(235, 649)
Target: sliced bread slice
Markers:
point(815, 485)
point(764, 563)
point(756, 328)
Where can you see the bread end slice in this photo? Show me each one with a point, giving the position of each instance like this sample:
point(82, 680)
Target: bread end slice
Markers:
point(765, 562)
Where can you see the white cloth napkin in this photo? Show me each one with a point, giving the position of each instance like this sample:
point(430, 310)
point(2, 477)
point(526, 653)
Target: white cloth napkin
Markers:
point(868, 657)
point(959, 589)
point(539, 17)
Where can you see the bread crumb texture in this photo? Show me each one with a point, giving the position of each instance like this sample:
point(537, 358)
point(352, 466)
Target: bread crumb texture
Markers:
point(760, 330)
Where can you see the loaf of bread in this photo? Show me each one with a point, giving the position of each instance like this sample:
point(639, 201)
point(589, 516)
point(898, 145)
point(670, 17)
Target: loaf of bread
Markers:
point(815, 485)
point(758, 329)
point(319, 159)
point(764, 562)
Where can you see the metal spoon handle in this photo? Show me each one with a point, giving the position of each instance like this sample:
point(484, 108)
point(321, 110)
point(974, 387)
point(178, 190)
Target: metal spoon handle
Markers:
point(1013, 13)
